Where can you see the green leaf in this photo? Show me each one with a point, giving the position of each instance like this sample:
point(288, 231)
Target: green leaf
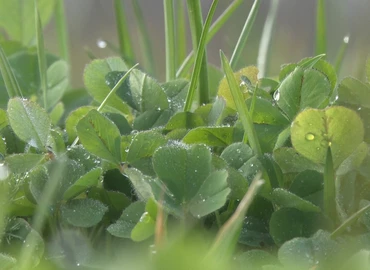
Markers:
point(72, 120)
point(176, 92)
point(339, 128)
point(186, 120)
point(30, 122)
point(255, 232)
point(353, 92)
point(285, 198)
point(3, 119)
point(211, 196)
point(302, 89)
point(140, 182)
point(100, 136)
point(211, 136)
point(144, 228)
point(21, 163)
point(255, 259)
point(83, 212)
point(57, 113)
point(130, 217)
point(288, 223)
point(57, 82)
point(237, 154)
point(85, 182)
point(266, 113)
point(152, 119)
point(7, 261)
point(10, 82)
point(183, 170)
point(16, 20)
point(80, 155)
point(290, 160)
point(95, 81)
point(120, 121)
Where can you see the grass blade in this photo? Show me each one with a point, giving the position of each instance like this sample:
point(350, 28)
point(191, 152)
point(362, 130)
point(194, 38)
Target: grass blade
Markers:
point(320, 28)
point(125, 46)
point(145, 41)
point(62, 32)
point(351, 220)
point(244, 34)
point(215, 27)
point(11, 84)
point(265, 44)
point(41, 55)
point(241, 107)
point(169, 22)
point(341, 53)
point(199, 60)
point(112, 92)
point(329, 187)
point(227, 237)
point(181, 48)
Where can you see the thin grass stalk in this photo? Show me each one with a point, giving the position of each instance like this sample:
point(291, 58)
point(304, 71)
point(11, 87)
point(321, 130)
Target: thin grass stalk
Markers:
point(112, 92)
point(181, 48)
point(199, 58)
point(320, 28)
point(265, 44)
point(196, 27)
point(329, 187)
point(244, 34)
point(125, 46)
point(215, 27)
point(241, 107)
point(145, 40)
point(41, 56)
point(11, 83)
point(62, 31)
point(341, 53)
point(169, 22)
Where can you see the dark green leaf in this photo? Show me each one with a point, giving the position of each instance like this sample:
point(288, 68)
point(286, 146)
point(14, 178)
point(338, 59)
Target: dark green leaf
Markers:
point(140, 182)
point(3, 119)
point(120, 121)
point(237, 154)
point(353, 92)
point(151, 119)
point(21, 163)
point(85, 182)
point(72, 120)
point(83, 212)
point(211, 136)
point(100, 136)
point(57, 82)
point(186, 120)
point(285, 198)
point(176, 92)
point(255, 233)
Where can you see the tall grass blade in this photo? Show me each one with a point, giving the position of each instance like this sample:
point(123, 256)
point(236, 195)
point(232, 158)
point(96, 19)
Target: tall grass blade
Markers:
point(181, 48)
point(228, 235)
point(215, 27)
point(11, 84)
point(169, 22)
point(329, 187)
point(320, 28)
point(241, 107)
point(145, 41)
point(199, 61)
point(41, 55)
point(265, 44)
point(62, 31)
point(124, 40)
point(341, 53)
point(112, 92)
point(244, 34)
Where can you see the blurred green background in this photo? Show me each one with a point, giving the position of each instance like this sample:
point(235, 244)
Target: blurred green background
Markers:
point(293, 39)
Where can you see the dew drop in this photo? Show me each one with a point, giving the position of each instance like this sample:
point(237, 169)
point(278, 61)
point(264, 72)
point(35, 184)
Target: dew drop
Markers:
point(4, 171)
point(277, 95)
point(102, 44)
point(346, 39)
point(310, 137)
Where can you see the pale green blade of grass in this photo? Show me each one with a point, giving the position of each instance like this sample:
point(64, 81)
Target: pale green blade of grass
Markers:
point(320, 28)
point(351, 220)
point(199, 60)
point(112, 92)
point(215, 27)
point(265, 44)
point(145, 40)
point(41, 55)
point(124, 40)
point(169, 23)
point(11, 83)
point(228, 235)
point(62, 32)
point(244, 34)
point(41, 214)
point(341, 53)
point(181, 48)
point(197, 29)
point(329, 187)
point(89, 53)
point(241, 107)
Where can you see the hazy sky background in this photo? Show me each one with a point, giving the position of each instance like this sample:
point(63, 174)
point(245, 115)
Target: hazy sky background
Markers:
point(90, 20)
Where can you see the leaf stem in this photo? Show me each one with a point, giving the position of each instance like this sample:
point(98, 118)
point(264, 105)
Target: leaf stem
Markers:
point(169, 22)
point(329, 187)
point(320, 28)
point(199, 59)
point(341, 53)
point(10, 81)
point(61, 25)
point(244, 34)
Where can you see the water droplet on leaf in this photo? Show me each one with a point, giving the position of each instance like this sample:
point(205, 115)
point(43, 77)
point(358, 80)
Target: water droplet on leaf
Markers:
point(310, 137)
